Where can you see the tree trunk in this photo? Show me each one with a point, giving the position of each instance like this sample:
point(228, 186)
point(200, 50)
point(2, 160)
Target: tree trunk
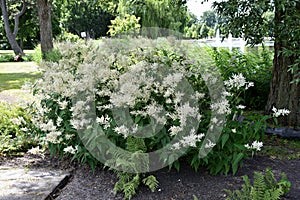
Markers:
point(283, 93)
point(44, 12)
point(12, 36)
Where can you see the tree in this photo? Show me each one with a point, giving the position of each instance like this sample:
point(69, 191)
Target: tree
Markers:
point(44, 13)
point(209, 17)
point(169, 14)
point(243, 18)
point(204, 31)
point(84, 16)
point(11, 36)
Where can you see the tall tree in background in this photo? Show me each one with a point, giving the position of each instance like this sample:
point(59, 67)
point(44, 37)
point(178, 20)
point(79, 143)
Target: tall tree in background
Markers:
point(84, 16)
point(44, 12)
point(209, 17)
point(11, 36)
point(169, 14)
point(244, 18)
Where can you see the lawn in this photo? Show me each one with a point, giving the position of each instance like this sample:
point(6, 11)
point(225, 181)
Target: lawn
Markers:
point(13, 75)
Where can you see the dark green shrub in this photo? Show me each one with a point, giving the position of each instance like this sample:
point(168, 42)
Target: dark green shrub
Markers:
point(6, 57)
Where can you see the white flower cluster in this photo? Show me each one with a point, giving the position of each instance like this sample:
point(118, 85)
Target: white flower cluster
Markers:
point(222, 107)
point(209, 144)
point(116, 80)
point(71, 149)
point(256, 145)
point(189, 140)
point(35, 150)
point(280, 112)
point(238, 81)
point(105, 121)
point(18, 120)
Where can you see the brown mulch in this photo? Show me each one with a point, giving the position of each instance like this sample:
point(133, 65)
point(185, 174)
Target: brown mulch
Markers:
point(173, 185)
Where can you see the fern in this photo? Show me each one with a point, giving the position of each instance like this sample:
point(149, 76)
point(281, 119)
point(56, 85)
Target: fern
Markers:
point(135, 144)
point(151, 182)
point(259, 186)
point(129, 182)
point(265, 187)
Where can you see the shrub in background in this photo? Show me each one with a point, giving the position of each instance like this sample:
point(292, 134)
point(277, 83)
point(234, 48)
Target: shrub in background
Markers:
point(52, 56)
point(6, 57)
point(37, 55)
point(255, 65)
point(128, 24)
point(70, 37)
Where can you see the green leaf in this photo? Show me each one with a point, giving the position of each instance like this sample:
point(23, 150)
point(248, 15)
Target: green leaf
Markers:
point(137, 119)
point(237, 158)
point(224, 139)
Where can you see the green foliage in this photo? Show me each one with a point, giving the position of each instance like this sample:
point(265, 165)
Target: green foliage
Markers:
point(264, 187)
point(230, 151)
point(255, 20)
point(82, 16)
point(157, 13)
point(6, 57)
point(28, 32)
point(209, 18)
point(128, 183)
point(204, 31)
point(192, 32)
point(255, 65)
point(128, 24)
point(37, 55)
point(151, 182)
point(244, 17)
point(14, 126)
point(52, 56)
point(70, 37)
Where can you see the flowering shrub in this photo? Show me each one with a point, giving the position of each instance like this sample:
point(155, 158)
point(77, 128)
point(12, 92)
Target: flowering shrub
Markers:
point(138, 106)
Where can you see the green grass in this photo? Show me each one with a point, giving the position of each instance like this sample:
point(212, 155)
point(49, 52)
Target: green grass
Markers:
point(13, 75)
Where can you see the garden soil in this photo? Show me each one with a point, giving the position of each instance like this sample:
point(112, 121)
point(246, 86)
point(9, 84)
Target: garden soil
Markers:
point(173, 185)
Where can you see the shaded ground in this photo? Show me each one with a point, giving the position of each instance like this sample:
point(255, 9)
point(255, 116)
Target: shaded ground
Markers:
point(173, 185)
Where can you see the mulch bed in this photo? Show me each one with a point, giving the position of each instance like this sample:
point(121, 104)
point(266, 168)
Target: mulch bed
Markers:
point(173, 185)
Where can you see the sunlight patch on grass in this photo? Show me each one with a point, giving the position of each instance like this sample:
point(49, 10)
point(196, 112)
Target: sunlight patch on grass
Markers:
point(13, 75)
point(12, 52)
point(18, 67)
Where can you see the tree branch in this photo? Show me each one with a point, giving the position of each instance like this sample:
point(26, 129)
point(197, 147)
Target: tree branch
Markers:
point(17, 18)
